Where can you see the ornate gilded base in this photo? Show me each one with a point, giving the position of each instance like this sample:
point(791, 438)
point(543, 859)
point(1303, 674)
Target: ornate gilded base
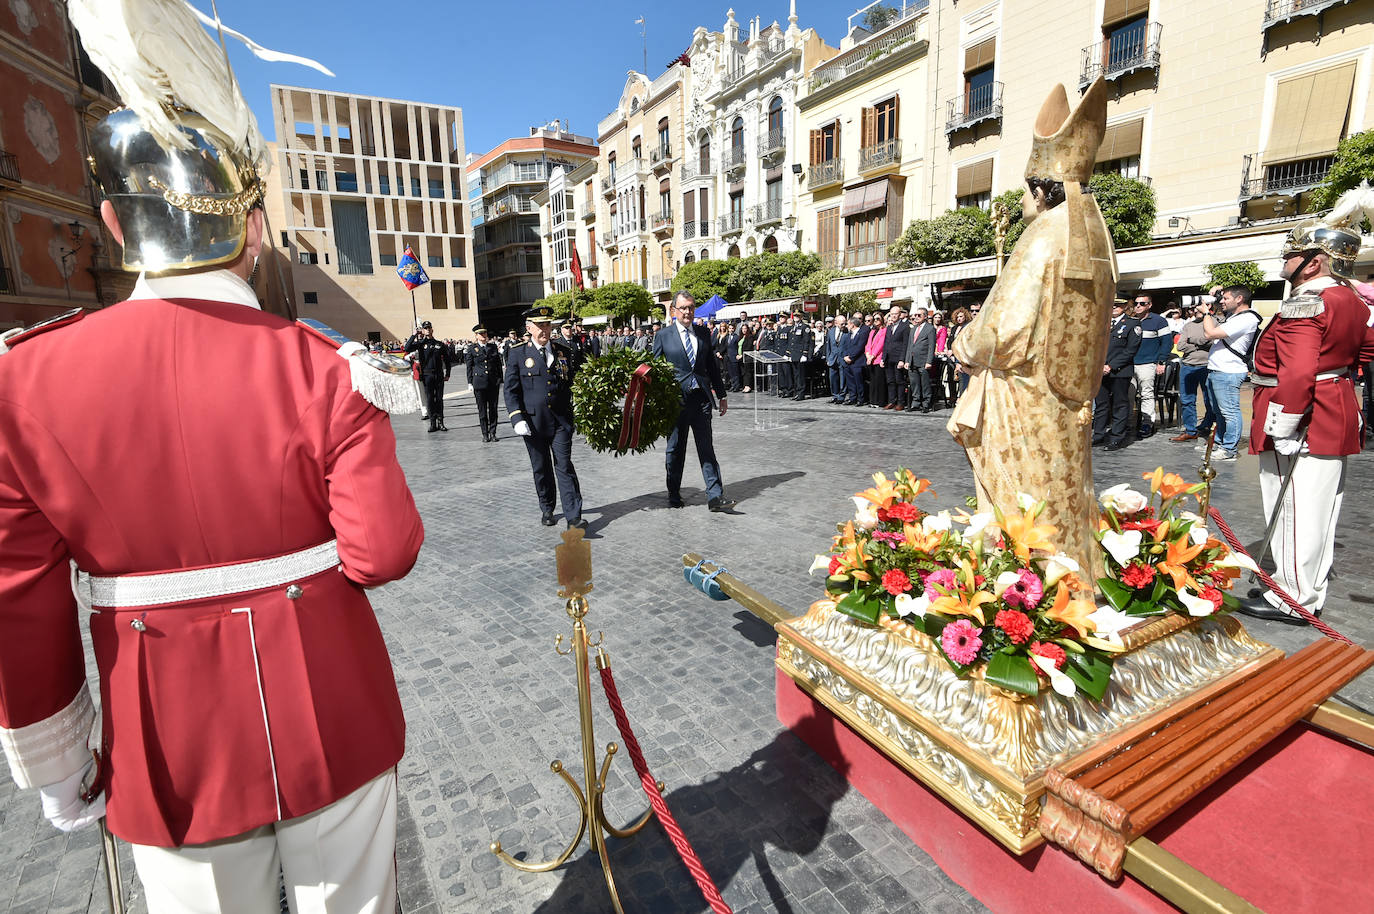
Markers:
point(983, 749)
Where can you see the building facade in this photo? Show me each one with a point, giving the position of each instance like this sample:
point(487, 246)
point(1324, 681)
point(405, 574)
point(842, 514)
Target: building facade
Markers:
point(510, 264)
point(740, 172)
point(54, 252)
point(561, 227)
point(360, 180)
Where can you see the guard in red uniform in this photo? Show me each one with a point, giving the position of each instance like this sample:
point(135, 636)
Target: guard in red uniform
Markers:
point(1306, 413)
point(221, 492)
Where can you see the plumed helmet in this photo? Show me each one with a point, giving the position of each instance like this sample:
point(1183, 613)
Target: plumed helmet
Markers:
point(1337, 234)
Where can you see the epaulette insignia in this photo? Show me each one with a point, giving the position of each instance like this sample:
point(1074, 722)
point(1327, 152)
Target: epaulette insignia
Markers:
point(11, 338)
point(1305, 304)
point(383, 380)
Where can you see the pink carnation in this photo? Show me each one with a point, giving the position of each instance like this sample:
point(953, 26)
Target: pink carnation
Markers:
point(892, 539)
point(943, 577)
point(961, 642)
point(1027, 590)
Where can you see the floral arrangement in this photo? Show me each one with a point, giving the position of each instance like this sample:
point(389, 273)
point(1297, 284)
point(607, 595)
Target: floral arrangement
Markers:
point(1160, 557)
point(989, 589)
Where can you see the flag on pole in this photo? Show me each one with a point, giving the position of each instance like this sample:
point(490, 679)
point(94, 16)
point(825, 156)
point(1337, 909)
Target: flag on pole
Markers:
point(410, 271)
point(577, 269)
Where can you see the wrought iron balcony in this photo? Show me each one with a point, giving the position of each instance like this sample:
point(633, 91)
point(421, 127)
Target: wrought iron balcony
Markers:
point(689, 230)
point(1289, 178)
point(661, 159)
point(867, 54)
point(1137, 49)
point(608, 185)
point(663, 222)
point(880, 155)
point(772, 143)
point(732, 223)
point(733, 76)
point(587, 211)
point(658, 283)
point(775, 48)
point(704, 228)
point(734, 160)
point(693, 170)
point(766, 213)
point(823, 174)
point(981, 104)
point(1277, 12)
point(9, 168)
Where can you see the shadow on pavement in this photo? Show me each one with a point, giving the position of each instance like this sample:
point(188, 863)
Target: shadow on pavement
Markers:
point(779, 798)
point(600, 517)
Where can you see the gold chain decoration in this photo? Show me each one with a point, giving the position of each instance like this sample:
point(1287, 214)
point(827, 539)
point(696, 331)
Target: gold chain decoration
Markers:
point(206, 205)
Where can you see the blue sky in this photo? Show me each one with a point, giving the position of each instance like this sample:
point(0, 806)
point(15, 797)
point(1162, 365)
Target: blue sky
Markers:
point(508, 66)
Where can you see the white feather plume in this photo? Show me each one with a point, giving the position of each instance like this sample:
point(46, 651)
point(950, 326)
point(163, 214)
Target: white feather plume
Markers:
point(1352, 208)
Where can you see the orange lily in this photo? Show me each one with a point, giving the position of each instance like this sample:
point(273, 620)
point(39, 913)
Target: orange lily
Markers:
point(884, 493)
point(957, 604)
point(1025, 534)
point(851, 556)
point(1180, 553)
point(1073, 613)
point(1166, 485)
point(917, 538)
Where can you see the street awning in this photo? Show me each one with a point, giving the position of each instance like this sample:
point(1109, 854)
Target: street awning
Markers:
point(757, 308)
point(981, 268)
point(1182, 263)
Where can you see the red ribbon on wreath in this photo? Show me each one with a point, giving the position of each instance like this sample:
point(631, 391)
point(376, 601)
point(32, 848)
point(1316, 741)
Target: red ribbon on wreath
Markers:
point(634, 408)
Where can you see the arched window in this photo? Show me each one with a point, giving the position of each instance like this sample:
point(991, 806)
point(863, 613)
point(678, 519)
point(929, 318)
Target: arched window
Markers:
point(771, 243)
point(689, 257)
point(705, 254)
point(737, 138)
point(775, 116)
point(704, 154)
point(733, 253)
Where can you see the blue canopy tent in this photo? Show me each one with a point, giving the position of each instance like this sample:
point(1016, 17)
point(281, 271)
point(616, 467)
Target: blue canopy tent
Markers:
point(712, 305)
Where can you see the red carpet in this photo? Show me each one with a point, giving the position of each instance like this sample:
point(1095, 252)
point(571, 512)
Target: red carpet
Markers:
point(1269, 796)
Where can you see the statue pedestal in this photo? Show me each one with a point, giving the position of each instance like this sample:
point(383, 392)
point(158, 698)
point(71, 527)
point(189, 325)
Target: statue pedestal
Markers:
point(985, 750)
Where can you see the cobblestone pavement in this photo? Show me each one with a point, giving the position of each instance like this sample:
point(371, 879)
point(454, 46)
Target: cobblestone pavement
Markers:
point(489, 703)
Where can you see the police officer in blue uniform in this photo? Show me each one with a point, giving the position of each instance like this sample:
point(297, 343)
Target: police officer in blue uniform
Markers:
point(436, 360)
point(1112, 407)
point(483, 360)
point(539, 377)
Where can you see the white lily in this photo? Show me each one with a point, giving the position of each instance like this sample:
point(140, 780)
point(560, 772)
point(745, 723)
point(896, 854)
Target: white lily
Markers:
point(1197, 535)
point(941, 522)
point(1058, 681)
point(1108, 622)
point(821, 563)
point(865, 513)
point(1004, 580)
point(907, 605)
point(1123, 499)
point(1237, 560)
point(1196, 605)
point(1122, 546)
point(1059, 565)
point(1026, 502)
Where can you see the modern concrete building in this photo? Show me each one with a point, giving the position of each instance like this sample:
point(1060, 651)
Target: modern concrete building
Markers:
point(361, 179)
point(510, 266)
point(741, 169)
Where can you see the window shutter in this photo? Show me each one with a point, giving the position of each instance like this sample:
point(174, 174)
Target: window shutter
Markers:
point(982, 177)
point(982, 54)
point(868, 127)
point(815, 147)
point(1121, 141)
point(896, 117)
point(1310, 114)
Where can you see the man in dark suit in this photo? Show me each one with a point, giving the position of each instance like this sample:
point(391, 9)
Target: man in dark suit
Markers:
point(918, 358)
point(853, 359)
point(834, 357)
point(539, 376)
point(688, 347)
point(895, 352)
point(1113, 402)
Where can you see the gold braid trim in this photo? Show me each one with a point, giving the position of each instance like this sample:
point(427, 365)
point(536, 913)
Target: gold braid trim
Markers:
point(206, 205)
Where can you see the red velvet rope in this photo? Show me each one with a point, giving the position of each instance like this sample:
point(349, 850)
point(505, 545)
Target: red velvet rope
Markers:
point(665, 817)
point(634, 408)
point(1269, 582)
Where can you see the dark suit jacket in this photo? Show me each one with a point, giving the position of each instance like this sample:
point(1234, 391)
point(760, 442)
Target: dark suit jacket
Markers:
point(921, 352)
point(704, 368)
point(898, 342)
point(853, 347)
point(834, 342)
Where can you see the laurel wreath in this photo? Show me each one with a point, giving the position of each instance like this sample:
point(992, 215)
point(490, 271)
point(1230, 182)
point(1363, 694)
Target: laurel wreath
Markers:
point(598, 396)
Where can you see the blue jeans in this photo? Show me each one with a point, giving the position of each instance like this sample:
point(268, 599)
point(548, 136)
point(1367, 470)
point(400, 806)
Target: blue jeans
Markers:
point(1191, 379)
point(1224, 386)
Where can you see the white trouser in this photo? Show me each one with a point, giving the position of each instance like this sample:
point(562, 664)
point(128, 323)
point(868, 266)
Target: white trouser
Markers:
point(1305, 538)
point(1145, 383)
point(337, 860)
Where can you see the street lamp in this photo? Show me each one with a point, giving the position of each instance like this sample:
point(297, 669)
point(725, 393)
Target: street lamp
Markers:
point(75, 228)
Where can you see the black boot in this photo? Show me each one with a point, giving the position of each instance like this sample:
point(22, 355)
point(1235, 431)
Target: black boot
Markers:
point(433, 425)
point(442, 426)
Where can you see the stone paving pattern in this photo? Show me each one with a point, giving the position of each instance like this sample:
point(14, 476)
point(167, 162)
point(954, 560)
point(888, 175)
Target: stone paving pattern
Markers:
point(489, 703)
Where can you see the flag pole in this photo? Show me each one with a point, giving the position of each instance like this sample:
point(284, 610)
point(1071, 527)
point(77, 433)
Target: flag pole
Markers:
point(415, 315)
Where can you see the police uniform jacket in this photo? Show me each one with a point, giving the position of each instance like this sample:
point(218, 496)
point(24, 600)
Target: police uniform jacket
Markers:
point(800, 343)
point(1310, 351)
point(209, 433)
point(782, 340)
point(484, 365)
point(434, 356)
point(1123, 339)
point(538, 393)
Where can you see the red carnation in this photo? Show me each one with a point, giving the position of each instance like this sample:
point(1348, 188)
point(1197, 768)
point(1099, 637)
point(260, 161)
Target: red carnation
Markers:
point(1051, 652)
point(834, 564)
point(1212, 594)
point(1017, 625)
point(896, 582)
point(1137, 575)
point(903, 511)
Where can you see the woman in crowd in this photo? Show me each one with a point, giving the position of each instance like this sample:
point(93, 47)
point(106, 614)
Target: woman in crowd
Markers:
point(939, 395)
point(956, 379)
point(873, 354)
point(748, 342)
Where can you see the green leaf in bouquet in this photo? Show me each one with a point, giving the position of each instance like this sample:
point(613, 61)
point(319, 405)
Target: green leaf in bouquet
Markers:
point(1161, 588)
point(1070, 645)
point(855, 605)
point(1012, 672)
point(1117, 594)
point(1091, 672)
point(1229, 600)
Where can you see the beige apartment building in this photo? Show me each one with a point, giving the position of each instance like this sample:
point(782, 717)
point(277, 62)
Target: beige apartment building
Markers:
point(360, 180)
point(866, 120)
point(561, 226)
point(1231, 110)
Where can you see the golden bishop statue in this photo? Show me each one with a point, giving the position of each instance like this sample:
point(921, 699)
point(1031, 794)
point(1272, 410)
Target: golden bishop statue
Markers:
point(1035, 353)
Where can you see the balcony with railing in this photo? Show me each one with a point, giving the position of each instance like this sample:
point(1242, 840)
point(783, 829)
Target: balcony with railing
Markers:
point(608, 185)
point(658, 283)
point(766, 213)
point(880, 155)
point(980, 104)
point(509, 205)
point(1259, 179)
point(772, 143)
point(661, 160)
point(1278, 12)
point(9, 168)
point(515, 173)
point(732, 223)
point(823, 174)
point(663, 222)
point(694, 169)
point(1130, 51)
point(609, 239)
point(587, 211)
point(735, 160)
point(704, 228)
point(733, 76)
point(907, 33)
point(689, 230)
point(775, 48)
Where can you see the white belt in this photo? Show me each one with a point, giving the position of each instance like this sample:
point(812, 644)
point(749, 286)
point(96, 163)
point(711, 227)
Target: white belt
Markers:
point(204, 583)
point(1265, 380)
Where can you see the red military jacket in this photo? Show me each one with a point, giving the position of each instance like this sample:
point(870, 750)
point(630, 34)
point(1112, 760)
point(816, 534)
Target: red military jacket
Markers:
point(164, 435)
point(1305, 340)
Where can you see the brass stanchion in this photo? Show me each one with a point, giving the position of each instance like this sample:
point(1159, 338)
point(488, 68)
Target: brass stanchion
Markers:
point(1207, 473)
point(574, 559)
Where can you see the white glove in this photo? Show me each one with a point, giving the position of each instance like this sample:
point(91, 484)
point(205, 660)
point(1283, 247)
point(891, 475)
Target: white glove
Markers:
point(1289, 446)
point(63, 806)
point(803, 358)
point(522, 428)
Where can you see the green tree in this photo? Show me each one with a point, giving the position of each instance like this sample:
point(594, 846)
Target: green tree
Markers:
point(620, 300)
point(879, 17)
point(959, 234)
point(561, 302)
point(1354, 163)
point(769, 275)
point(1011, 201)
point(1245, 273)
point(1128, 206)
point(818, 283)
point(704, 278)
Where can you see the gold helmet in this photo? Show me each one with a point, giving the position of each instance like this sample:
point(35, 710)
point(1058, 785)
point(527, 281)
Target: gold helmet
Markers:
point(1337, 234)
point(178, 209)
